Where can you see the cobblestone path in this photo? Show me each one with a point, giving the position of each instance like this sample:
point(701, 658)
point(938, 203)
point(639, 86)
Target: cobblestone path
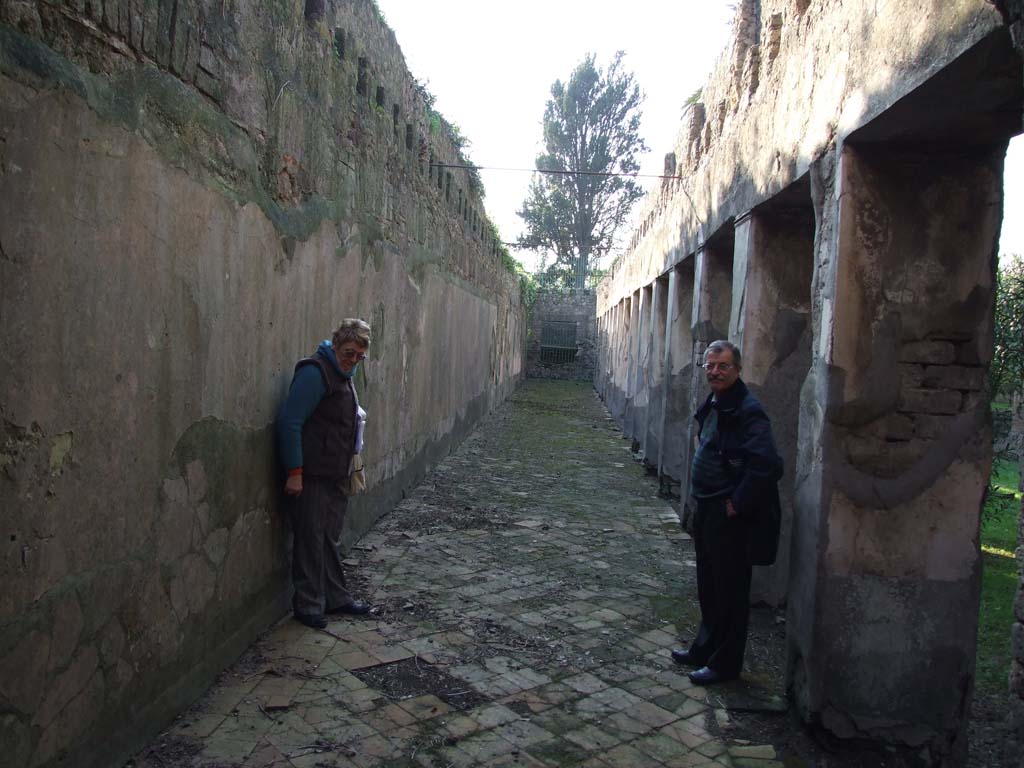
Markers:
point(527, 594)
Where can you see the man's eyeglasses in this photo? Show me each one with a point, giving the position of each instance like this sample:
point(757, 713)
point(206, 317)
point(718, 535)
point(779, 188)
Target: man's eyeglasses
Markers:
point(351, 354)
point(718, 366)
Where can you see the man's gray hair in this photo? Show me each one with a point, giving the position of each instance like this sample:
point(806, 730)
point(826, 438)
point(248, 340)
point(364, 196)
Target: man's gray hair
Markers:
point(720, 346)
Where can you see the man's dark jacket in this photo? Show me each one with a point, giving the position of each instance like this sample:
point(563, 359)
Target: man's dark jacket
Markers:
point(748, 452)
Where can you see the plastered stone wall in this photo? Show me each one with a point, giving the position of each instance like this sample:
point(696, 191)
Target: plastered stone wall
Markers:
point(836, 213)
point(192, 194)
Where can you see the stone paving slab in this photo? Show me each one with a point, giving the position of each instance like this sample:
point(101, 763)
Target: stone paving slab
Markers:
point(524, 594)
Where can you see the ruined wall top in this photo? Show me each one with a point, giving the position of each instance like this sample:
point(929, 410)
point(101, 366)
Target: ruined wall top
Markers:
point(316, 88)
point(795, 78)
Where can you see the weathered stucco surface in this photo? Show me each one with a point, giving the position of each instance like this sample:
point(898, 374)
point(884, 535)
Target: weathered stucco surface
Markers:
point(837, 214)
point(192, 194)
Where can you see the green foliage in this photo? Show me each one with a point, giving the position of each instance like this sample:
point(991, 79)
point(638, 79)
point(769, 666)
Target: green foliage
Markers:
point(378, 12)
point(557, 276)
point(591, 128)
point(425, 94)
point(436, 122)
point(1000, 577)
point(561, 276)
point(512, 266)
point(458, 137)
point(999, 517)
point(474, 183)
point(1007, 370)
point(694, 97)
point(528, 288)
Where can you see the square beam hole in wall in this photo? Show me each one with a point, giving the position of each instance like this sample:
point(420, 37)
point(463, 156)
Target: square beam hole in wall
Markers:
point(362, 77)
point(315, 10)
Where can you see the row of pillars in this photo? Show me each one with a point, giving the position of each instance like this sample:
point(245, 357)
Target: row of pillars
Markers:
point(861, 299)
point(750, 284)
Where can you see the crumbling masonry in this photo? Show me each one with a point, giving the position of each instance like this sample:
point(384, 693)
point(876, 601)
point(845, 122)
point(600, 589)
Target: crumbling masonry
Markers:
point(837, 215)
point(192, 194)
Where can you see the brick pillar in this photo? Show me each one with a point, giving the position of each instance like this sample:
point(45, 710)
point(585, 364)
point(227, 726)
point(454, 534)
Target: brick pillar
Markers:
point(1014, 13)
point(895, 444)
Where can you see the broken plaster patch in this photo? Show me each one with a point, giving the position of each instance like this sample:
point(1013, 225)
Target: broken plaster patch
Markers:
point(60, 451)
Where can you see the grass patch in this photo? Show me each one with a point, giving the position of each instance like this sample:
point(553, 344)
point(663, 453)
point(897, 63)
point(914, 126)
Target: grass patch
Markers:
point(1000, 576)
point(682, 612)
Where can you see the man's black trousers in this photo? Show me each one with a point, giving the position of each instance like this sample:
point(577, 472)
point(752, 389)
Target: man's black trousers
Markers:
point(723, 588)
point(317, 516)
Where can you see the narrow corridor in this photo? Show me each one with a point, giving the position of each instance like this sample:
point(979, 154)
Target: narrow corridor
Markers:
point(527, 596)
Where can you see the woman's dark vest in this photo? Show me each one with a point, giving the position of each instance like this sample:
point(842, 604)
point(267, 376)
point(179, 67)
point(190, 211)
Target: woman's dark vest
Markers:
point(329, 434)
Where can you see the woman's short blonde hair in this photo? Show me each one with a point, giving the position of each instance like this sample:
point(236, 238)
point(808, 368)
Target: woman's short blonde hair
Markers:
point(352, 329)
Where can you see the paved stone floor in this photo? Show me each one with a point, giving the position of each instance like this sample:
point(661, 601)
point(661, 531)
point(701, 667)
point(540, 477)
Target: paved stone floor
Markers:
point(527, 594)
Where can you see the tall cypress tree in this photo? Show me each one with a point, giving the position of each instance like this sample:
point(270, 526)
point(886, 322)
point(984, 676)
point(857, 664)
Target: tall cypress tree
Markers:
point(591, 130)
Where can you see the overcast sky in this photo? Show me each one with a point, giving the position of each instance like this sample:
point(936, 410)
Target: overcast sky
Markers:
point(491, 66)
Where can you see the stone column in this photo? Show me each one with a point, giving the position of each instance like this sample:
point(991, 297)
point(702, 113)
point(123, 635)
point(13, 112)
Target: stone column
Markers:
point(770, 322)
point(601, 372)
point(895, 444)
point(611, 356)
point(656, 380)
point(641, 392)
point(678, 378)
point(633, 362)
point(621, 363)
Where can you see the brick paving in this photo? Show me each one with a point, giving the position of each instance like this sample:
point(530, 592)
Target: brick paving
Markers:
point(527, 595)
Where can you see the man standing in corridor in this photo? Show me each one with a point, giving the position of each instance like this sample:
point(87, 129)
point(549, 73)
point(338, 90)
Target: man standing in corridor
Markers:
point(734, 481)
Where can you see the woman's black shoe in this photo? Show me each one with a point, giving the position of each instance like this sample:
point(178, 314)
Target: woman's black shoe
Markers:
point(354, 608)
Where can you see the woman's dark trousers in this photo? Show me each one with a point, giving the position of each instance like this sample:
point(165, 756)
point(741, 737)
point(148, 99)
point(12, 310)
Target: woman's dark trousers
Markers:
point(318, 514)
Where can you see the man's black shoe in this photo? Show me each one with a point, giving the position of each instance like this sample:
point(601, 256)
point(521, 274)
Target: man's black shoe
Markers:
point(314, 620)
point(708, 676)
point(683, 657)
point(354, 608)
